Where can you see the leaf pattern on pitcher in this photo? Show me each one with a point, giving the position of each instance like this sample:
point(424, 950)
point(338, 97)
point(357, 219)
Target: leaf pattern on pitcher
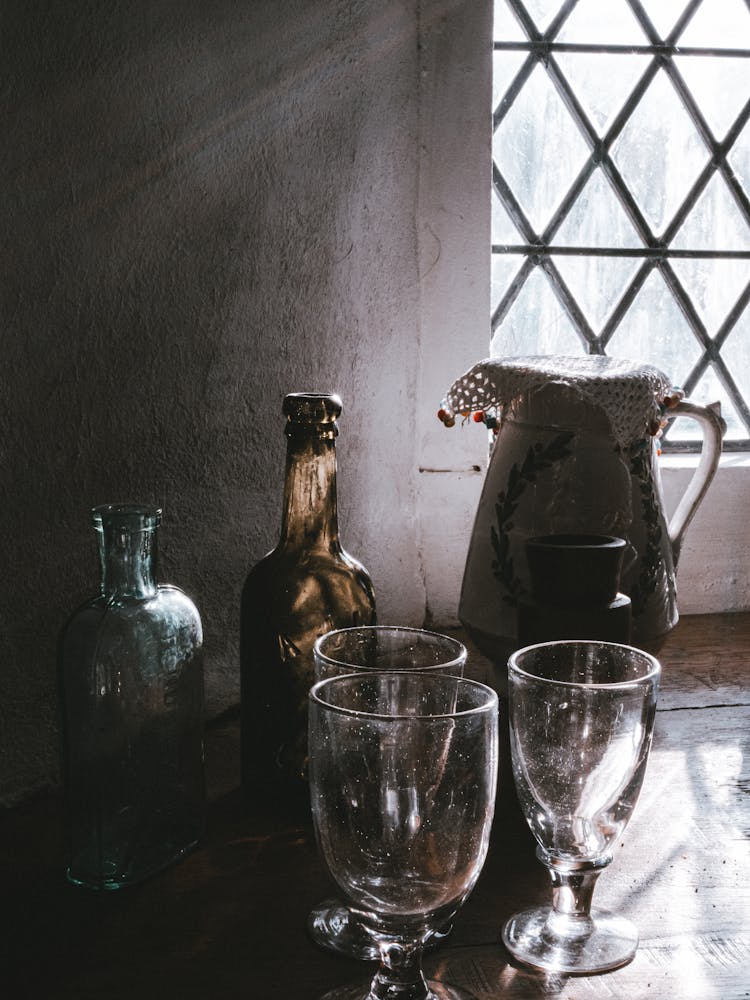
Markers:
point(537, 458)
point(651, 561)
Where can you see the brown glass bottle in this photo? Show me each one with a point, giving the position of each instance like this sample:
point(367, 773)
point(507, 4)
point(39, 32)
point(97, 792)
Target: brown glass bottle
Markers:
point(305, 587)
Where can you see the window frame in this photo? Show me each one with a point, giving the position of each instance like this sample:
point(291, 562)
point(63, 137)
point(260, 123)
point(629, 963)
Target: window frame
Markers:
point(537, 248)
point(453, 234)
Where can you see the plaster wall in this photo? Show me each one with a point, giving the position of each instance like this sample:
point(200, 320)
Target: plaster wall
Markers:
point(205, 206)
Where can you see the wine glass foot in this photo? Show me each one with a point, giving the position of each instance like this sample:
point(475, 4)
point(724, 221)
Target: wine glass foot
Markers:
point(438, 991)
point(612, 942)
point(332, 926)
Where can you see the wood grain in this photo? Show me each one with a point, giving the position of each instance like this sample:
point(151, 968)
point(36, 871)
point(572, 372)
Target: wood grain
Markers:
point(229, 921)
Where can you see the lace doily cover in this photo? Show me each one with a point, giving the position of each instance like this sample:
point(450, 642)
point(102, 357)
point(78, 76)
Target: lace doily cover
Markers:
point(629, 393)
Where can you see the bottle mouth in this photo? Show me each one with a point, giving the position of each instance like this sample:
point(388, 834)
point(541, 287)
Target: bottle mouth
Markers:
point(126, 516)
point(312, 407)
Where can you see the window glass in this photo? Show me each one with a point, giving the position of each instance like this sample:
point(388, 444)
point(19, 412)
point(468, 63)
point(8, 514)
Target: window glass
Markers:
point(659, 153)
point(621, 183)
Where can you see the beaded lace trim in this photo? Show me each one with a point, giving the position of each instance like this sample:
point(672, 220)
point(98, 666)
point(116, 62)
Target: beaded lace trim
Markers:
point(631, 394)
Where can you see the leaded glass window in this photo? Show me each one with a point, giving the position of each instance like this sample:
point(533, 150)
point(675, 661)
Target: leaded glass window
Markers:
point(620, 193)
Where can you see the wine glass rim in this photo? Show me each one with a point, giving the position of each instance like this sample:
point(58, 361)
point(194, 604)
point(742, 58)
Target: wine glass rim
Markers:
point(653, 673)
point(459, 658)
point(489, 704)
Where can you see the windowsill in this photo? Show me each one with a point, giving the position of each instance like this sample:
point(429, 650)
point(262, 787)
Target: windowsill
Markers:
point(713, 572)
point(729, 460)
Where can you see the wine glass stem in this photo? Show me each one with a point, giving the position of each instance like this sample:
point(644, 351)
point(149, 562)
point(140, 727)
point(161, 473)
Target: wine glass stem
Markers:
point(400, 975)
point(572, 892)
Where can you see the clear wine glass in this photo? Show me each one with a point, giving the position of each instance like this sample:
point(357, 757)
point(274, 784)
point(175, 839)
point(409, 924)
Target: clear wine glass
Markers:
point(581, 722)
point(375, 647)
point(403, 771)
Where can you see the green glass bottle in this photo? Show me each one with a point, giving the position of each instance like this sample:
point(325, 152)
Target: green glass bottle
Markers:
point(131, 712)
point(302, 589)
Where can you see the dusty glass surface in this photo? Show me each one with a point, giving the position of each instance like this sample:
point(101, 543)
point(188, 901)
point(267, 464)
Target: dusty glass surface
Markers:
point(537, 324)
point(659, 153)
point(596, 23)
point(307, 585)
point(581, 720)
point(537, 122)
point(131, 712)
point(621, 190)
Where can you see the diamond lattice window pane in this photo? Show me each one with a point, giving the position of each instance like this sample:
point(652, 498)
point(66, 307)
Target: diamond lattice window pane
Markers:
point(707, 391)
point(505, 65)
point(597, 283)
point(736, 355)
point(663, 160)
point(503, 230)
point(602, 23)
point(536, 323)
point(718, 24)
point(655, 332)
point(659, 152)
point(715, 222)
point(537, 123)
point(739, 158)
point(597, 219)
point(602, 83)
point(504, 269)
point(714, 286)
point(505, 25)
point(542, 12)
point(663, 14)
point(720, 86)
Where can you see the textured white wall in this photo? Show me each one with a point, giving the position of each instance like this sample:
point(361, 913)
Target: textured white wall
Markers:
point(454, 237)
point(713, 573)
point(205, 206)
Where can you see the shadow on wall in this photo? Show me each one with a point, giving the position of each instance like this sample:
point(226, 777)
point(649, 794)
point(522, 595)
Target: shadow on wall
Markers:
point(205, 207)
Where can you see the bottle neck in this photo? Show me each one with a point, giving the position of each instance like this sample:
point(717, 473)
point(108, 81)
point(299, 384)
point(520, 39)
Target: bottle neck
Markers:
point(127, 551)
point(310, 517)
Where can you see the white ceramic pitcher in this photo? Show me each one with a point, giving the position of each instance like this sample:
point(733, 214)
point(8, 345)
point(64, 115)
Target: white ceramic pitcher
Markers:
point(576, 452)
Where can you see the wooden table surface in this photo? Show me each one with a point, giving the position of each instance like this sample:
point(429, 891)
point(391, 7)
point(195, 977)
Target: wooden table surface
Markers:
point(229, 921)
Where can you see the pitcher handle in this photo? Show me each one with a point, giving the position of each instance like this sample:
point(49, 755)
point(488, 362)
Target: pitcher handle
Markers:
point(714, 427)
